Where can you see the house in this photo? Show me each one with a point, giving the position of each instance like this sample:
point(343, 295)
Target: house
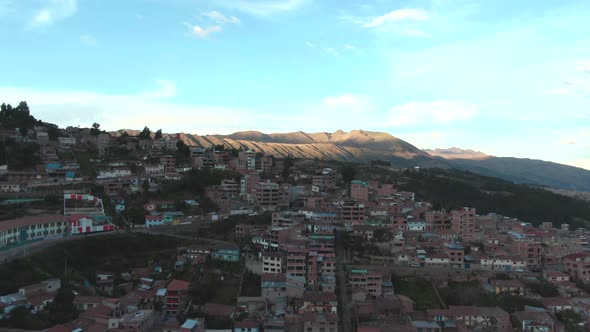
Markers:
point(226, 254)
point(193, 325)
point(177, 297)
point(137, 321)
point(537, 321)
point(66, 142)
point(320, 322)
point(509, 287)
point(577, 265)
point(320, 302)
point(556, 277)
point(218, 310)
point(556, 304)
point(273, 286)
point(247, 326)
point(154, 220)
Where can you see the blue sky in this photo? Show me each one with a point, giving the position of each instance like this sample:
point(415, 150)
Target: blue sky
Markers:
point(509, 78)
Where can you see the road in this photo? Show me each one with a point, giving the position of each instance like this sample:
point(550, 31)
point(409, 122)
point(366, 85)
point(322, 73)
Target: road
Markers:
point(31, 248)
point(346, 307)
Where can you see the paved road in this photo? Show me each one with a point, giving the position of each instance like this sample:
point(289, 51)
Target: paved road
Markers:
point(346, 313)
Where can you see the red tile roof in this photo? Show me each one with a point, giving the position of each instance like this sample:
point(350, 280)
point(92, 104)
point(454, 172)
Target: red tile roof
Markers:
point(28, 221)
point(178, 285)
point(246, 324)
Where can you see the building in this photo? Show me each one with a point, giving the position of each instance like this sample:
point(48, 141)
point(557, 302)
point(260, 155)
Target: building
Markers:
point(177, 297)
point(371, 282)
point(463, 223)
point(137, 321)
point(359, 191)
point(169, 163)
point(324, 180)
point(270, 197)
point(273, 262)
point(320, 302)
point(66, 142)
point(530, 251)
point(154, 220)
point(226, 254)
point(556, 304)
point(352, 213)
point(456, 254)
point(273, 286)
point(266, 164)
point(507, 287)
point(320, 322)
point(19, 231)
point(113, 173)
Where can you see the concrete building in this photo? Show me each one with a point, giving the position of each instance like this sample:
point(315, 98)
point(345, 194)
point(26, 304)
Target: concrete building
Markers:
point(463, 223)
point(177, 297)
point(371, 282)
point(19, 231)
point(359, 191)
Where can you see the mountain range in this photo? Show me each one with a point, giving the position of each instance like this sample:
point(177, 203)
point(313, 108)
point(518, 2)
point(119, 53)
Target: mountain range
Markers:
point(364, 146)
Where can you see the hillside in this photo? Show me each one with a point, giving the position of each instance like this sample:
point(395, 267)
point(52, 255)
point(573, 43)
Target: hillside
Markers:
point(457, 153)
point(364, 146)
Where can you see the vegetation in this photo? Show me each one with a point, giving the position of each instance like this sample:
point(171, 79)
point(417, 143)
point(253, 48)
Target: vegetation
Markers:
point(251, 284)
point(19, 156)
point(571, 320)
point(60, 311)
point(115, 253)
point(419, 290)
point(467, 293)
point(449, 189)
point(544, 289)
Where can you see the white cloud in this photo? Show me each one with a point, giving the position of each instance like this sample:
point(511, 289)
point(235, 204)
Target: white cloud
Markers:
point(219, 18)
point(350, 47)
point(310, 45)
point(331, 51)
point(53, 11)
point(567, 142)
point(202, 32)
point(438, 112)
point(396, 16)
point(153, 108)
point(263, 7)
point(88, 40)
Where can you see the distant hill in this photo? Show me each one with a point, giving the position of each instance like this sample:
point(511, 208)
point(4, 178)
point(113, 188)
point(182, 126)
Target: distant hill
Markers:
point(365, 146)
point(457, 153)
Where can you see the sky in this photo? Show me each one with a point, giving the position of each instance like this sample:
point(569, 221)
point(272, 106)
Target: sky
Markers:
point(508, 78)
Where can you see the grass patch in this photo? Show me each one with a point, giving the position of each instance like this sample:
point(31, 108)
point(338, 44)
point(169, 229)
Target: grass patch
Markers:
point(419, 290)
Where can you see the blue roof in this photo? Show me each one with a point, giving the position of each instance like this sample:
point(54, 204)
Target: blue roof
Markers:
point(454, 246)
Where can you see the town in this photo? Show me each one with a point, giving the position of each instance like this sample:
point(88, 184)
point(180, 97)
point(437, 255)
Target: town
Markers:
point(229, 239)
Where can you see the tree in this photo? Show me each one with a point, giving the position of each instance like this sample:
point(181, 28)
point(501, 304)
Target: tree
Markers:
point(146, 133)
point(571, 320)
point(348, 174)
point(158, 134)
point(95, 129)
point(288, 162)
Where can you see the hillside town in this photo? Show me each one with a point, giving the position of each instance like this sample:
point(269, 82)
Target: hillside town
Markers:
point(293, 245)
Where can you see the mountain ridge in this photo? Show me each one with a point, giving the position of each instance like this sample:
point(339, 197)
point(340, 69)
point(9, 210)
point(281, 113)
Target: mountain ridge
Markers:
point(365, 146)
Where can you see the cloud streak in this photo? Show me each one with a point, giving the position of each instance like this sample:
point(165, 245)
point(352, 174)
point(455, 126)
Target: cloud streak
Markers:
point(219, 18)
point(202, 32)
point(53, 11)
point(397, 16)
point(263, 7)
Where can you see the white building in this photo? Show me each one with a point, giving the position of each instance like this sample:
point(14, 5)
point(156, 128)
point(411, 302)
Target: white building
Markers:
point(32, 228)
point(113, 173)
point(66, 141)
